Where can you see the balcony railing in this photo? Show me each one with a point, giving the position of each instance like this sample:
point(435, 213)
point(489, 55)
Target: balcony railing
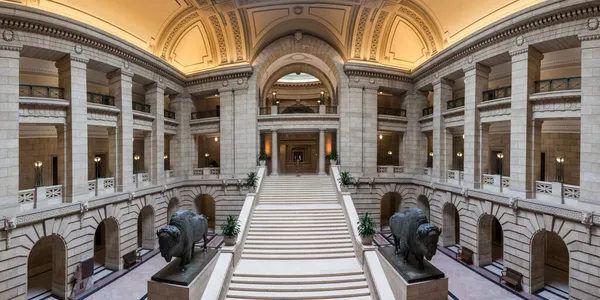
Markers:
point(388, 111)
point(169, 114)
point(428, 111)
point(140, 107)
point(40, 196)
point(459, 102)
point(26, 90)
point(97, 98)
point(331, 109)
point(265, 110)
point(297, 109)
point(207, 172)
point(558, 84)
point(101, 186)
point(206, 114)
point(498, 93)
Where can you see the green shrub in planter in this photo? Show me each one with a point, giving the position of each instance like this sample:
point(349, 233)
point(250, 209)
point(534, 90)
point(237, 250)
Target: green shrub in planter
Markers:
point(366, 229)
point(231, 228)
point(345, 180)
point(262, 158)
point(333, 157)
point(251, 181)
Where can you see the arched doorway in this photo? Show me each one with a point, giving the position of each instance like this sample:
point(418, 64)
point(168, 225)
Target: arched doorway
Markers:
point(490, 241)
point(47, 268)
point(451, 225)
point(205, 204)
point(549, 265)
point(106, 245)
point(423, 203)
point(145, 230)
point(172, 208)
point(390, 203)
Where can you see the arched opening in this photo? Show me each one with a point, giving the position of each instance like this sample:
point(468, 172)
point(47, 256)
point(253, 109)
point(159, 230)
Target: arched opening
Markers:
point(451, 225)
point(106, 246)
point(490, 241)
point(205, 204)
point(172, 208)
point(390, 203)
point(47, 268)
point(423, 203)
point(145, 230)
point(549, 265)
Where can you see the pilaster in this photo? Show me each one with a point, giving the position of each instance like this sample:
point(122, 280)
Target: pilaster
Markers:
point(181, 143)
point(442, 138)
point(155, 96)
point(227, 132)
point(476, 81)
point(72, 77)
point(274, 153)
point(414, 142)
point(526, 65)
point(351, 128)
point(322, 152)
point(369, 132)
point(120, 87)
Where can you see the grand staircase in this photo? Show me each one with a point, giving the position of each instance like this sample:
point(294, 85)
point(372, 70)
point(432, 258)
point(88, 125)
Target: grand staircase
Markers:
point(298, 245)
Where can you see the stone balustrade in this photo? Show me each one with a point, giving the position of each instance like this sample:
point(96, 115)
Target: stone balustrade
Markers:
point(389, 171)
point(169, 174)
point(557, 192)
point(454, 176)
point(206, 172)
point(101, 186)
point(496, 182)
point(40, 197)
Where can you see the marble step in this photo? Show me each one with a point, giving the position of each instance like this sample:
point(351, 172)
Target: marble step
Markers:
point(297, 246)
point(347, 249)
point(311, 287)
point(296, 242)
point(254, 224)
point(335, 294)
point(299, 233)
point(298, 238)
point(349, 254)
point(284, 221)
point(331, 278)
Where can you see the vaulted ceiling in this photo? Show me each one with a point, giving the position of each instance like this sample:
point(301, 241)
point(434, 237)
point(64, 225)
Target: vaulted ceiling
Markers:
point(197, 35)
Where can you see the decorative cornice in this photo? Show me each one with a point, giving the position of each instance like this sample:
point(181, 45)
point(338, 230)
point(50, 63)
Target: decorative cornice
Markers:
point(246, 74)
point(371, 74)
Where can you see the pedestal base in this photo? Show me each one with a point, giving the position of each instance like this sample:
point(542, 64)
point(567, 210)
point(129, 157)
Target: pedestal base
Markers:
point(408, 282)
point(170, 283)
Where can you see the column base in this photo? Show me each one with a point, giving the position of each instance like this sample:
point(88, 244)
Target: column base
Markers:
point(274, 174)
point(322, 173)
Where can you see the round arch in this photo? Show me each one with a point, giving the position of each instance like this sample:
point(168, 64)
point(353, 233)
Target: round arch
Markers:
point(450, 225)
point(391, 203)
point(47, 267)
point(490, 240)
point(172, 208)
point(106, 244)
point(549, 262)
point(297, 68)
point(145, 228)
point(423, 204)
point(205, 204)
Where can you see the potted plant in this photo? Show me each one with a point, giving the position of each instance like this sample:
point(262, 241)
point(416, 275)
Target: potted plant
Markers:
point(231, 228)
point(366, 229)
point(345, 180)
point(262, 158)
point(333, 157)
point(251, 181)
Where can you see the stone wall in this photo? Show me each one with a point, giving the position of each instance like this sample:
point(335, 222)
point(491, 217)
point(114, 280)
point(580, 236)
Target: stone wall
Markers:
point(564, 145)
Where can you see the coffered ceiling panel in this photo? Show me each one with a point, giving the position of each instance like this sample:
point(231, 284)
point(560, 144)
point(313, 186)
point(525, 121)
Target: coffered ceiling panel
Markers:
point(405, 47)
point(192, 52)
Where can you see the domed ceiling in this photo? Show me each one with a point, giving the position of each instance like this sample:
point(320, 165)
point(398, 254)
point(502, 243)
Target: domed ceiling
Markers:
point(197, 35)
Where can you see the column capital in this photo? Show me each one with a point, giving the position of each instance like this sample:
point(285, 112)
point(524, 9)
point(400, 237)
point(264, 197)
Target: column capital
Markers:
point(416, 92)
point(120, 73)
point(155, 85)
point(442, 81)
point(67, 61)
point(477, 67)
point(530, 51)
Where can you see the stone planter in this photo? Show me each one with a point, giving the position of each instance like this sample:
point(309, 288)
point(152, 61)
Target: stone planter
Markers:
point(333, 162)
point(367, 240)
point(229, 240)
point(344, 188)
point(262, 163)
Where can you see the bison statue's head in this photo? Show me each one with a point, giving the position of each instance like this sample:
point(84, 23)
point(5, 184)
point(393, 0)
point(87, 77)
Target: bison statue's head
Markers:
point(169, 238)
point(427, 239)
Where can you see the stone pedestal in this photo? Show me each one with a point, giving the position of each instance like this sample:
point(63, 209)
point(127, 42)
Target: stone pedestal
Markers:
point(170, 283)
point(428, 284)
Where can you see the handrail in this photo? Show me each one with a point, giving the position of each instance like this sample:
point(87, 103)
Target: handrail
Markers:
point(42, 91)
point(503, 92)
point(140, 107)
point(265, 110)
point(169, 114)
point(297, 109)
point(558, 84)
point(389, 111)
point(98, 98)
point(427, 111)
point(331, 109)
point(458, 102)
point(205, 114)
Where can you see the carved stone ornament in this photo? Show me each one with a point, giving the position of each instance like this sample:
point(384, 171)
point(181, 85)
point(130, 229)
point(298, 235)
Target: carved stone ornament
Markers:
point(131, 196)
point(587, 218)
point(513, 203)
point(164, 189)
point(371, 80)
point(78, 48)
point(593, 23)
point(432, 185)
point(465, 192)
point(8, 35)
point(10, 223)
point(520, 40)
point(225, 83)
point(160, 79)
point(83, 206)
point(126, 65)
point(240, 81)
point(470, 59)
point(298, 35)
point(298, 10)
point(356, 79)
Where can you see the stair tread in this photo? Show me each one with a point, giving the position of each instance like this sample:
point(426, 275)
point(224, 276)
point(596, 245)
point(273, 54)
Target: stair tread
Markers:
point(294, 287)
point(298, 251)
point(300, 280)
point(300, 295)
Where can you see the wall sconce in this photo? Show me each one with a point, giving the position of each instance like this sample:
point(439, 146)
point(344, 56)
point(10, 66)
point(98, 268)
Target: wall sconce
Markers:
point(463, 136)
point(560, 169)
point(166, 156)
point(390, 157)
point(460, 156)
point(216, 138)
point(97, 160)
point(322, 97)
point(500, 156)
point(136, 159)
point(381, 136)
point(206, 160)
point(38, 173)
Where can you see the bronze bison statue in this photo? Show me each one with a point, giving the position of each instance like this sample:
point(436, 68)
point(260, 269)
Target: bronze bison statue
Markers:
point(179, 237)
point(414, 234)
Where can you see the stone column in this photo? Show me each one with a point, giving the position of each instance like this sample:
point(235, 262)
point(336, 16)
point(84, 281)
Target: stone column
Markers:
point(181, 149)
point(351, 128)
point(414, 142)
point(245, 144)
point(113, 152)
point(120, 87)
point(536, 149)
point(227, 131)
point(476, 81)
point(369, 132)
point(72, 77)
point(525, 71)
point(322, 152)
point(442, 138)
point(401, 149)
point(147, 158)
point(274, 153)
point(155, 96)
point(484, 149)
point(589, 173)
point(9, 130)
